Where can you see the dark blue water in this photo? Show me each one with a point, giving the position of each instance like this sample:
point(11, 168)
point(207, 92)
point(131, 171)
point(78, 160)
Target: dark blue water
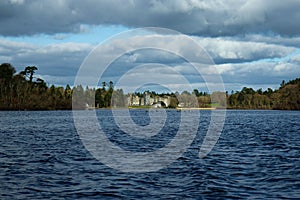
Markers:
point(256, 157)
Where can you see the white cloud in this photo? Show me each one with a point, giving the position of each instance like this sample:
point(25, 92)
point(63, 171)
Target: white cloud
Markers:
point(258, 73)
point(273, 39)
point(223, 49)
point(295, 59)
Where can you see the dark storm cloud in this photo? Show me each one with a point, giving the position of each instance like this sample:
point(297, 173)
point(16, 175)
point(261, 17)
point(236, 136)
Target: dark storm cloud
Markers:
point(210, 18)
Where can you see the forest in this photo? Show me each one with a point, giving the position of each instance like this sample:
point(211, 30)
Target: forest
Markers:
point(24, 91)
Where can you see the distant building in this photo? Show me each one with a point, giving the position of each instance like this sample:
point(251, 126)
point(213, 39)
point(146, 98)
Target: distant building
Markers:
point(135, 100)
point(165, 99)
point(159, 104)
point(147, 98)
point(151, 101)
point(142, 101)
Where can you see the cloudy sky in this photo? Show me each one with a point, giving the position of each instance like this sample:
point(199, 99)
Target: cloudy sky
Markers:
point(253, 43)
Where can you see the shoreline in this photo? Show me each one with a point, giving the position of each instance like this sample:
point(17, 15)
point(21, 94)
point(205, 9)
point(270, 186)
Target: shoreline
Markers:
point(143, 108)
point(211, 108)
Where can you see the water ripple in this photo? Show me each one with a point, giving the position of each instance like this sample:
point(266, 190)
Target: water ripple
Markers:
point(257, 157)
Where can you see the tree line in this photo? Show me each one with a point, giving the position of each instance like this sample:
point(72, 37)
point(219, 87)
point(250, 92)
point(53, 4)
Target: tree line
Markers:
point(24, 91)
point(287, 97)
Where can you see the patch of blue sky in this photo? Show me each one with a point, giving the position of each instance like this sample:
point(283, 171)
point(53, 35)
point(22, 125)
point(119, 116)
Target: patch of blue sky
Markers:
point(88, 34)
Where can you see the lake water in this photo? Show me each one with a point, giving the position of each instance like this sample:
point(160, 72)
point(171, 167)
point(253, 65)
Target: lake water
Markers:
point(257, 156)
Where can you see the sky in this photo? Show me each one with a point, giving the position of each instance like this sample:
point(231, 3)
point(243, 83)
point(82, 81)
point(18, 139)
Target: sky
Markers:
point(252, 43)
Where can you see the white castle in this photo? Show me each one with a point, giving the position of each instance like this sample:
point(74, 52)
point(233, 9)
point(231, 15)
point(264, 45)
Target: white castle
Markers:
point(148, 100)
